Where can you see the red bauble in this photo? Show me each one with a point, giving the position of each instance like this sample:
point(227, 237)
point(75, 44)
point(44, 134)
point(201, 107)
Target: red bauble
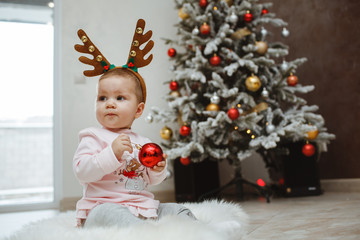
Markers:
point(233, 113)
point(248, 17)
point(185, 130)
point(261, 182)
point(264, 11)
point(215, 60)
point(172, 52)
point(281, 181)
point(150, 154)
point(203, 3)
point(205, 29)
point(185, 161)
point(308, 150)
point(174, 85)
point(292, 80)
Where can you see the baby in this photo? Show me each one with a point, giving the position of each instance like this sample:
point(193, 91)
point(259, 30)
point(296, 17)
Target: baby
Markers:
point(106, 161)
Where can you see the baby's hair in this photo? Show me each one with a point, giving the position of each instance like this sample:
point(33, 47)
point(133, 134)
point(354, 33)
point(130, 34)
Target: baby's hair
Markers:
point(123, 72)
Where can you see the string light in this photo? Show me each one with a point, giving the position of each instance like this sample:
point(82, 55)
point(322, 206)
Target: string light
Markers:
point(248, 131)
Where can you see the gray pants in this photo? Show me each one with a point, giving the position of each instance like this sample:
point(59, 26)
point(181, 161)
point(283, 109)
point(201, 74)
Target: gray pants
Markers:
point(112, 214)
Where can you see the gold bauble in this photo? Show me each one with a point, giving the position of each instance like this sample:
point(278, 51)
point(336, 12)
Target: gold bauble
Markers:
point(261, 47)
point(213, 107)
point(253, 83)
point(175, 94)
point(312, 134)
point(166, 133)
point(183, 15)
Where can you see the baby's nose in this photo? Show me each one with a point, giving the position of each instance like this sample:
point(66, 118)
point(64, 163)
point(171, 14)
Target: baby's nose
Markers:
point(110, 104)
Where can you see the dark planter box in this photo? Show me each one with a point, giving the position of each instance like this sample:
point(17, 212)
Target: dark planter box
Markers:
point(300, 173)
point(196, 180)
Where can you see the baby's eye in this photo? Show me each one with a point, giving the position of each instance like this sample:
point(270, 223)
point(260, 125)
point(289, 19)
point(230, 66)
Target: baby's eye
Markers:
point(120, 98)
point(102, 98)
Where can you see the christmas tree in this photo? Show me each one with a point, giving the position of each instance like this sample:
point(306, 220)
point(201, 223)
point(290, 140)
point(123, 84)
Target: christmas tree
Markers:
point(233, 92)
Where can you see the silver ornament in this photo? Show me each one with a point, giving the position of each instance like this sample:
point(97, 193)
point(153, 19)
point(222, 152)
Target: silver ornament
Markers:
point(169, 174)
point(149, 118)
point(265, 93)
point(263, 31)
point(285, 32)
point(195, 31)
point(284, 66)
point(233, 18)
point(215, 99)
point(270, 128)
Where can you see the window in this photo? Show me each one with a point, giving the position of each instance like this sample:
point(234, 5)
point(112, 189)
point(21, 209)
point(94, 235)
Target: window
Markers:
point(26, 102)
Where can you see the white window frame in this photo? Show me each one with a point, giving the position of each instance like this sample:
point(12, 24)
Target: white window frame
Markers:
point(57, 127)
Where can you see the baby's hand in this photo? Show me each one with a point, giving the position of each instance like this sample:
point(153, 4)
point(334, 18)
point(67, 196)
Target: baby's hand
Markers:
point(160, 165)
point(121, 144)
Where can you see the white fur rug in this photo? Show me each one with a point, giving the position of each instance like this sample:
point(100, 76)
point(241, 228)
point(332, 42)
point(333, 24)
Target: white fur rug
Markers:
point(217, 220)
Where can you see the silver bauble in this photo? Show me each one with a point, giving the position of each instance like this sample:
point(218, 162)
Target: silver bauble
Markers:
point(149, 118)
point(233, 18)
point(285, 32)
point(265, 93)
point(169, 174)
point(284, 66)
point(195, 31)
point(263, 31)
point(215, 99)
point(270, 128)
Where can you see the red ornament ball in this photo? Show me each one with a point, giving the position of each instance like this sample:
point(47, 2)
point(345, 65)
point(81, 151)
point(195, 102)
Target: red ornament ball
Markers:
point(150, 154)
point(308, 150)
point(172, 52)
point(185, 131)
point(185, 161)
point(261, 182)
point(292, 80)
point(215, 60)
point(174, 85)
point(233, 113)
point(264, 11)
point(205, 29)
point(248, 17)
point(203, 3)
point(281, 181)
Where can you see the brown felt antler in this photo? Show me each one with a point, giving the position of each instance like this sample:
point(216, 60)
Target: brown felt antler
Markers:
point(140, 38)
point(135, 60)
point(97, 62)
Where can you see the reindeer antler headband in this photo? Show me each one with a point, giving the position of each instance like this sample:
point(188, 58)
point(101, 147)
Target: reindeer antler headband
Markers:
point(135, 60)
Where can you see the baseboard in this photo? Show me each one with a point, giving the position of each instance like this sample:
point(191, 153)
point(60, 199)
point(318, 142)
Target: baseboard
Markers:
point(69, 204)
point(341, 185)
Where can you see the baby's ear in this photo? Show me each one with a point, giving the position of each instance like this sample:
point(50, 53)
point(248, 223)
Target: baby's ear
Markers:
point(140, 109)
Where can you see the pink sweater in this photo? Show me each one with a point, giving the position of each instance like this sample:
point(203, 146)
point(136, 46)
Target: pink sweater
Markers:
point(107, 180)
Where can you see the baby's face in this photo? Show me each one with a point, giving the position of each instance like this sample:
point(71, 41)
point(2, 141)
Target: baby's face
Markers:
point(116, 105)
